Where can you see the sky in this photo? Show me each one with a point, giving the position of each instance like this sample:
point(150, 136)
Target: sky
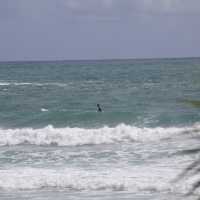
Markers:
point(98, 29)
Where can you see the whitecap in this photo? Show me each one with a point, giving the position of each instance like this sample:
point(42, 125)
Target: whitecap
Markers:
point(44, 110)
point(134, 179)
point(80, 136)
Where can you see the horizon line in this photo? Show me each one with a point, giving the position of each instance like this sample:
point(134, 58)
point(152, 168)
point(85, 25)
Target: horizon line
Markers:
point(99, 59)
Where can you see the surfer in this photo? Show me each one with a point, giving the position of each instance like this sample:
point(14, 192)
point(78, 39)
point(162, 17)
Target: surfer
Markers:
point(99, 108)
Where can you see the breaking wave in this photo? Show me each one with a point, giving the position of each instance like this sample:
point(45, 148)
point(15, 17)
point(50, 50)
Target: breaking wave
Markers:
point(80, 136)
point(77, 179)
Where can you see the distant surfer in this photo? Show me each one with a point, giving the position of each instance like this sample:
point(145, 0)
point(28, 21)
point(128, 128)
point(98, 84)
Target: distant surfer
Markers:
point(99, 108)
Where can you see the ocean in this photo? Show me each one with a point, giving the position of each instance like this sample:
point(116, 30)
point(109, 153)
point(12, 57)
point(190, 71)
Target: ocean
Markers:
point(55, 145)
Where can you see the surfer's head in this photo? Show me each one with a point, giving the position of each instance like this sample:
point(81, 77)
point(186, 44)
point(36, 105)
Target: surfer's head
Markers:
point(99, 108)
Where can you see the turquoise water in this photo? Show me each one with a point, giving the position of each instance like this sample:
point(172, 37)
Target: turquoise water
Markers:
point(54, 143)
point(139, 92)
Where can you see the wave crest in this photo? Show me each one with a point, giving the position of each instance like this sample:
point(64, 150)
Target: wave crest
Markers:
point(80, 136)
point(33, 84)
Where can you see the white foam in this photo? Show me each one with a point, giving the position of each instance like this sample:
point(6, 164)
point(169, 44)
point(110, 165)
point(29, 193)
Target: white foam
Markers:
point(80, 136)
point(32, 84)
point(44, 109)
point(134, 179)
point(4, 84)
point(14, 83)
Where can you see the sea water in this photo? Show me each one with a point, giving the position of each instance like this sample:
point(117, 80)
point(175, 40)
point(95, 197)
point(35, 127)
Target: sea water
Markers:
point(55, 145)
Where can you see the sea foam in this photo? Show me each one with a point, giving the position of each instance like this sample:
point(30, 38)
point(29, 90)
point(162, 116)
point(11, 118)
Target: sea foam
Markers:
point(134, 179)
point(33, 84)
point(79, 179)
point(80, 136)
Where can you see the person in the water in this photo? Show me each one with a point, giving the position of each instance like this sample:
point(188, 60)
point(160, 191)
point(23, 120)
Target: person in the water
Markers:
point(99, 108)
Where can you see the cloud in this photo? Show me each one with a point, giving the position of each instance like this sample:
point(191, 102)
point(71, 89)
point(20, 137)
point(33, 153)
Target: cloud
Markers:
point(96, 9)
point(128, 9)
point(47, 29)
point(171, 6)
point(143, 6)
point(8, 9)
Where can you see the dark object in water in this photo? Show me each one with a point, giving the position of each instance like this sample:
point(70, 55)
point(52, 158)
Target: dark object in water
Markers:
point(99, 108)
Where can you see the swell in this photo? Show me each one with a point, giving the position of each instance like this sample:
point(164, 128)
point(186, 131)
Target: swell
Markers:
point(79, 136)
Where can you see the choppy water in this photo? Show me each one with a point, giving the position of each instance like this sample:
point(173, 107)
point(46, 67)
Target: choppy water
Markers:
point(54, 145)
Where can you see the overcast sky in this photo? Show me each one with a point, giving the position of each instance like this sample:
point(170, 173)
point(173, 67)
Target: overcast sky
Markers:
point(98, 29)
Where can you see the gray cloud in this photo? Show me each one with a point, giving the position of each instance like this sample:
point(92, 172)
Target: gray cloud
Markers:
point(97, 9)
point(132, 7)
point(8, 9)
point(172, 6)
point(70, 29)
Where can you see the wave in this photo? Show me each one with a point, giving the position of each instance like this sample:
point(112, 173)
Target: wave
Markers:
point(44, 109)
point(78, 179)
point(32, 84)
point(80, 136)
point(57, 84)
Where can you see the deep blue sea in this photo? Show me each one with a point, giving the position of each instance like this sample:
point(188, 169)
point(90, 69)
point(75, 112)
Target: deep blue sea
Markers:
point(55, 145)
